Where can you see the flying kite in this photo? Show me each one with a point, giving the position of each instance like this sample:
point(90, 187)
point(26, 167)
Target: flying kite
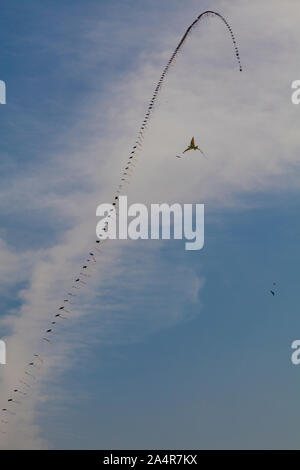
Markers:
point(192, 146)
point(272, 291)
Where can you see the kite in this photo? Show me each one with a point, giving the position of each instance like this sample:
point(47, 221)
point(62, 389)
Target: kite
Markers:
point(192, 146)
point(272, 291)
point(126, 176)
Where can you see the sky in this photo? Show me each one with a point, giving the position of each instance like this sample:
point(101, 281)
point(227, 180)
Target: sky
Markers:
point(167, 348)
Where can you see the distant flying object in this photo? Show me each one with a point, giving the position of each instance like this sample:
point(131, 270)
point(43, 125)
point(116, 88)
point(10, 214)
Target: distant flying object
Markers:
point(192, 146)
point(272, 292)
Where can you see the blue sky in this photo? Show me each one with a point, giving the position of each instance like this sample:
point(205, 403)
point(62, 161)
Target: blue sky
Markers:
point(170, 349)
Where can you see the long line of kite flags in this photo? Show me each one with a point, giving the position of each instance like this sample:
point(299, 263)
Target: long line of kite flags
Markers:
point(64, 312)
